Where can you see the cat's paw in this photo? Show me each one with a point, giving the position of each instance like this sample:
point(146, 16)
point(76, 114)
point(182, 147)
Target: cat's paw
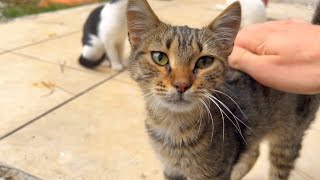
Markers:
point(117, 67)
point(106, 63)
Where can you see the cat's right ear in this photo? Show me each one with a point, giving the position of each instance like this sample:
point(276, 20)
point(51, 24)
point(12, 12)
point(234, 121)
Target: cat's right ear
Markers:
point(227, 24)
point(141, 20)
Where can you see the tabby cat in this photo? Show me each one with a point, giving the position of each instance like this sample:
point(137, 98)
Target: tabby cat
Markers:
point(206, 120)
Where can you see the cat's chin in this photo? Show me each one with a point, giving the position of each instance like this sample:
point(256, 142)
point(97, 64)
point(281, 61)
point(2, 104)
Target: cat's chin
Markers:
point(178, 106)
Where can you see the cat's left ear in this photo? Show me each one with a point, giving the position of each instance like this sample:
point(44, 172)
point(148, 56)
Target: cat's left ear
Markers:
point(227, 24)
point(141, 20)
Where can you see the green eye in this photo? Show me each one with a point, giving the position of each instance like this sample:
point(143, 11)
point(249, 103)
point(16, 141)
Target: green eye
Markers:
point(204, 62)
point(160, 58)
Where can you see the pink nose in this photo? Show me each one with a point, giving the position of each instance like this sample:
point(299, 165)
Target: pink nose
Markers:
point(181, 86)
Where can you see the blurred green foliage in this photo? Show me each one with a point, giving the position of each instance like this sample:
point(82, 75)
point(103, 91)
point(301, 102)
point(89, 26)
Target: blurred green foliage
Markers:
point(16, 8)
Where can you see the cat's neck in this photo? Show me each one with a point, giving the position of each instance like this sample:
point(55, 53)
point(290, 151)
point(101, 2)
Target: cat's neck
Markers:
point(166, 117)
point(176, 128)
point(171, 123)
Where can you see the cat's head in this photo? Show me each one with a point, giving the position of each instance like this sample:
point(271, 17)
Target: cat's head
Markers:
point(176, 66)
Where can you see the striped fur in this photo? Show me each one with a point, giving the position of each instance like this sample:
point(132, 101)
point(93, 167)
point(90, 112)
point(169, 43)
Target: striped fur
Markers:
point(213, 129)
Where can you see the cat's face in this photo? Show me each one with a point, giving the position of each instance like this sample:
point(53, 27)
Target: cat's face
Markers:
point(177, 66)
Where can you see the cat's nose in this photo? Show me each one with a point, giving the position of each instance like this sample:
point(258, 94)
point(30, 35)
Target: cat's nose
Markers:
point(181, 86)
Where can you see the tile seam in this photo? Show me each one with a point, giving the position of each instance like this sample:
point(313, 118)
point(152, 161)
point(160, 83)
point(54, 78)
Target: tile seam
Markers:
point(58, 106)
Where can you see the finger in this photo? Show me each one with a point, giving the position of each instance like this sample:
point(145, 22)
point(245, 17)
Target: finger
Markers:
point(249, 62)
point(241, 59)
point(254, 36)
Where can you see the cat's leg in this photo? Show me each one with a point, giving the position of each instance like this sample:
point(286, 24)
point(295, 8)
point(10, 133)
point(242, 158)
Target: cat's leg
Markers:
point(113, 54)
point(284, 150)
point(106, 61)
point(120, 47)
point(245, 163)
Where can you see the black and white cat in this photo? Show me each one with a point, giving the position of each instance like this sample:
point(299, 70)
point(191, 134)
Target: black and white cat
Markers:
point(104, 35)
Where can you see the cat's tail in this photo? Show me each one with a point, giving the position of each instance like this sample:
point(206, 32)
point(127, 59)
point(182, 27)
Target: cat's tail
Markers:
point(316, 15)
point(89, 63)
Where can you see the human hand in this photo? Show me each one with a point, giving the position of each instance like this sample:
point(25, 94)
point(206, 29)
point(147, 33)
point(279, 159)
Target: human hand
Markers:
point(284, 55)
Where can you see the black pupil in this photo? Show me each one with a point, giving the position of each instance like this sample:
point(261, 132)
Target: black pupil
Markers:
point(159, 56)
point(206, 61)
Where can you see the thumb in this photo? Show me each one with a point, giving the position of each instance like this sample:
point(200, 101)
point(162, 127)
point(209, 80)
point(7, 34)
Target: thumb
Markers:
point(246, 61)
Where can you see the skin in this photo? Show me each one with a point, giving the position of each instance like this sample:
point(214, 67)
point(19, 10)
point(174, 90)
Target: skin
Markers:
point(283, 55)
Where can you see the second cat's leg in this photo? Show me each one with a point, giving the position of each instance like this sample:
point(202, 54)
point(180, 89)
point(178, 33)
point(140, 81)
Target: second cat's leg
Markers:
point(113, 54)
point(245, 163)
point(120, 47)
point(284, 150)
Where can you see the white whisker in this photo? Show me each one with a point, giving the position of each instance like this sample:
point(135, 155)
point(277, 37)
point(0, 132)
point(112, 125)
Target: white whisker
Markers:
point(230, 91)
point(208, 110)
point(236, 126)
point(232, 101)
point(222, 114)
point(239, 109)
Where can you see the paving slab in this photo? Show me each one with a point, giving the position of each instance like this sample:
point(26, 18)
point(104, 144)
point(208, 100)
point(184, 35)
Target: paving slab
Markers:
point(97, 136)
point(125, 77)
point(29, 87)
point(30, 30)
point(65, 50)
point(2, 51)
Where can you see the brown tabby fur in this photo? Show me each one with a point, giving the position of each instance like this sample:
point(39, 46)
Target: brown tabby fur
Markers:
point(213, 129)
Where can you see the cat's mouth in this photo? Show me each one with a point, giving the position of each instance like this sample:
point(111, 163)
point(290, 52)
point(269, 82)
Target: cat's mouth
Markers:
point(178, 103)
point(179, 100)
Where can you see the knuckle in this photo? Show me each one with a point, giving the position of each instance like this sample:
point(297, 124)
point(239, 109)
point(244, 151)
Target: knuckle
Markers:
point(261, 48)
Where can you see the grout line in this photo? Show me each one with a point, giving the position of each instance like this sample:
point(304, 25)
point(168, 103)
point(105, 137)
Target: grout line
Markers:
point(39, 42)
point(4, 51)
point(49, 62)
point(45, 40)
point(58, 106)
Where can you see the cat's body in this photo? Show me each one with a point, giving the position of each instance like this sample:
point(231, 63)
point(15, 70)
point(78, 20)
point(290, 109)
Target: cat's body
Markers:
point(316, 16)
point(187, 149)
point(205, 120)
point(104, 35)
point(253, 11)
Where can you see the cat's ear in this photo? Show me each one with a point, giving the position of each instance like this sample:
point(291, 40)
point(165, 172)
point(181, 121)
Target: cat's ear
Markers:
point(227, 24)
point(141, 20)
